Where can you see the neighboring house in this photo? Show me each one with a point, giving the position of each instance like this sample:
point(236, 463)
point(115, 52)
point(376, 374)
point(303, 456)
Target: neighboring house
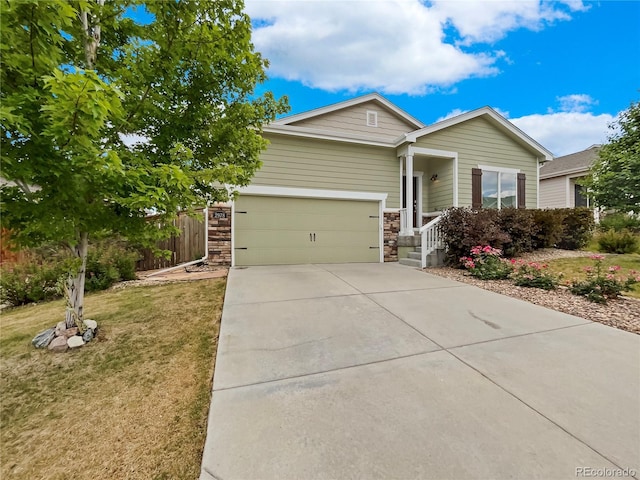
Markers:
point(333, 189)
point(559, 187)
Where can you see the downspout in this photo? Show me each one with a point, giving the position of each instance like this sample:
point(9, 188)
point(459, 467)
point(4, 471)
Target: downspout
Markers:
point(192, 262)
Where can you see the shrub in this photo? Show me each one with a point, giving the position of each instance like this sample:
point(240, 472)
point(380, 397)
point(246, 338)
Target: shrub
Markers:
point(549, 228)
point(37, 277)
point(621, 241)
point(578, 228)
point(599, 287)
point(30, 281)
point(486, 263)
point(534, 275)
point(463, 228)
point(107, 263)
point(520, 226)
point(619, 222)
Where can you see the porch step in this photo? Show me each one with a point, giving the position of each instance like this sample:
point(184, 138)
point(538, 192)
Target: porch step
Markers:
point(410, 262)
point(415, 255)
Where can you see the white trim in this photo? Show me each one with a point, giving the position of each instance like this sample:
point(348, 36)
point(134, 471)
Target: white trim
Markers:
point(233, 234)
point(493, 115)
point(513, 171)
point(538, 184)
point(311, 193)
point(456, 180)
point(350, 103)
point(431, 152)
point(499, 169)
point(326, 135)
point(571, 171)
point(567, 196)
point(259, 190)
point(400, 180)
point(381, 209)
point(408, 195)
point(391, 210)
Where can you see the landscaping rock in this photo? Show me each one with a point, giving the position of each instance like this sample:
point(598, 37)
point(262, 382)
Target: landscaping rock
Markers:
point(60, 327)
point(44, 338)
point(75, 341)
point(59, 344)
point(87, 336)
point(92, 324)
point(70, 332)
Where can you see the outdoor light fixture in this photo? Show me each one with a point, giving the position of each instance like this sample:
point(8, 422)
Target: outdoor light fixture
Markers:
point(434, 177)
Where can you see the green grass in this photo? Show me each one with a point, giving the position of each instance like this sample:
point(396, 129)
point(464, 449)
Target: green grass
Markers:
point(574, 268)
point(136, 398)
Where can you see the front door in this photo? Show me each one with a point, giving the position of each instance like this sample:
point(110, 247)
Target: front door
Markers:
point(416, 222)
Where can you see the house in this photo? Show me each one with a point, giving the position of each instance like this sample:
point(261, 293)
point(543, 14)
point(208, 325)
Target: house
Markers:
point(333, 185)
point(559, 186)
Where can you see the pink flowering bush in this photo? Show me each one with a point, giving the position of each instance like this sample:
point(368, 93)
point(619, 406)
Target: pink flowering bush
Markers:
point(601, 286)
point(486, 263)
point(532, 274)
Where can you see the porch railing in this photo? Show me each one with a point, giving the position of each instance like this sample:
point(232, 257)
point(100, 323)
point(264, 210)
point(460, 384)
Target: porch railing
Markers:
point(431, 238)
point(404, 219)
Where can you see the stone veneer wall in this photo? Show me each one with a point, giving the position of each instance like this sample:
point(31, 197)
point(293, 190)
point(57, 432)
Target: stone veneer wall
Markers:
point(219, 236)
point(391, 228)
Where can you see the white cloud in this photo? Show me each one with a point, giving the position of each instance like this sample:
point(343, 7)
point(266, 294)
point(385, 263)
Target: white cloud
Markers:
point(576, 103)
point(565, 132)
point(394, 46)
point(491, 20)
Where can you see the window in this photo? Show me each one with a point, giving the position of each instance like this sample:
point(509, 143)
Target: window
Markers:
point(372, 118)
point(580, 195)
point(499, 189)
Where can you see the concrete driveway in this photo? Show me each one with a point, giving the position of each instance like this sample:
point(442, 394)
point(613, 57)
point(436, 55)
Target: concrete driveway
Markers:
point(381, 371)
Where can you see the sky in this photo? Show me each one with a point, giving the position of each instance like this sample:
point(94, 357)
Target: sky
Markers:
point(559, 70)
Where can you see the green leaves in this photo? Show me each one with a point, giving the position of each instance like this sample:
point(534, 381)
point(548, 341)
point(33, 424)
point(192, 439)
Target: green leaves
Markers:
point(184, 84)
point(614, 181)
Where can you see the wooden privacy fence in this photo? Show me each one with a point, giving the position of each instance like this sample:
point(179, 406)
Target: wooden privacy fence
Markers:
point(188, 246)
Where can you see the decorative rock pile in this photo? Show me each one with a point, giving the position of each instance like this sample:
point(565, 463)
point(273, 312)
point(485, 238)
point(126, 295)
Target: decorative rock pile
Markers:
point(60, 338)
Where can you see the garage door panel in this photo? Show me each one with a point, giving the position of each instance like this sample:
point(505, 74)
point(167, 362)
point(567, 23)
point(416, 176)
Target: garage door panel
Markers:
point(274, 239)
point(276, 230)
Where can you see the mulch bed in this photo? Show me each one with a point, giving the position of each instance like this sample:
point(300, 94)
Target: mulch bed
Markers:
point(623, 313)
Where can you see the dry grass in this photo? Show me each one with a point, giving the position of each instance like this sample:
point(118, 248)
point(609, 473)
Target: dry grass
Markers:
point(574, 268)
point(132, 404)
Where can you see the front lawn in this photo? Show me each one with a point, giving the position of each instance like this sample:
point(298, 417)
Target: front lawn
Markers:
point(131, 404)
point(575, 267)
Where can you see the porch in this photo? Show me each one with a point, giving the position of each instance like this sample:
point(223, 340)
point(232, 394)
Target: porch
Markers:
point(433, 189)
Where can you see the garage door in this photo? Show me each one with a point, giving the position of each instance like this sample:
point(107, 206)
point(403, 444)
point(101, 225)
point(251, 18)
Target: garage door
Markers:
point(286, 230)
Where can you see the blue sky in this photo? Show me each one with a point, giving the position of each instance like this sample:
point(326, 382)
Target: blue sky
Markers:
point(560, 70)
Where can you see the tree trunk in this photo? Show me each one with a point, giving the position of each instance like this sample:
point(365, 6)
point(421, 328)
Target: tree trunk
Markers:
point(74, 288)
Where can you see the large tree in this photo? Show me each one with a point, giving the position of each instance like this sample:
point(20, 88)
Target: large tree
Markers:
point(106, 117)
point(614, 181)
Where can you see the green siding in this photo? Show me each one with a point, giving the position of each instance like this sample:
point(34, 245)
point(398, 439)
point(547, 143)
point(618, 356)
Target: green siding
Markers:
point(308, 163)
point(285, 230)
point(478, 142)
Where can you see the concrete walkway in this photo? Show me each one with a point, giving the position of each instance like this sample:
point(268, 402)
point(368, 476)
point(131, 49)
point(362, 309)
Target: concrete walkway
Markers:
point(380, 371)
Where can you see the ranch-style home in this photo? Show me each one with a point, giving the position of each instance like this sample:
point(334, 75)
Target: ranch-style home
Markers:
point(364, 181)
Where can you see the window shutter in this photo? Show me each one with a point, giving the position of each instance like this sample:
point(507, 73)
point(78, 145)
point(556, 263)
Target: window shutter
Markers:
point(476, 188)
point(522, 203)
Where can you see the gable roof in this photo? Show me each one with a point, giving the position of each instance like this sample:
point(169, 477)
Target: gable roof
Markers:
point(494, 118)
point(375, 97)
point(577, 162)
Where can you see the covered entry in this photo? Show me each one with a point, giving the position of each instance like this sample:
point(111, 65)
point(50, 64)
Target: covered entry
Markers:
point(280, 230)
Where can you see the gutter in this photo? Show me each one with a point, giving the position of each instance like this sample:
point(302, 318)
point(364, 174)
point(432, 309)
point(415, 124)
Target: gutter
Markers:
point(205, 211)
